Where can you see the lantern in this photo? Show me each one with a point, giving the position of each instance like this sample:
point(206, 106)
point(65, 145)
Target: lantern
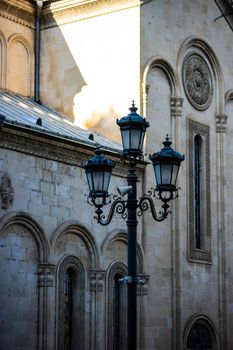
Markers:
point(166, 165)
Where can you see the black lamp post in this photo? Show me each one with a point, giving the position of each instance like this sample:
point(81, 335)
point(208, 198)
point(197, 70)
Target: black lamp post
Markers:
point(166, 165)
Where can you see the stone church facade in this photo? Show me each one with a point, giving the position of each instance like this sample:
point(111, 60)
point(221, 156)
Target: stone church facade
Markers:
point(68, 69)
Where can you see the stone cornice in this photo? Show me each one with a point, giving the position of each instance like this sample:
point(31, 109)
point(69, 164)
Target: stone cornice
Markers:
point(67, 11)
point(19, 11)
point(32, 142)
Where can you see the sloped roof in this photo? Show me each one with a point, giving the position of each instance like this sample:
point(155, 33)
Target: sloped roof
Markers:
point(25, 112)
point(226, 8)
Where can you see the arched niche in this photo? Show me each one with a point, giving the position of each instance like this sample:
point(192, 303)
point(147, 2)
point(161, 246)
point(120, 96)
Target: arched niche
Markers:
point(22, 248)
point(200, 334)
point(71, 238)
point(3, 51)
point(195, 45)
point(24, 220)
point(114, 248)
point(19, 65)
point(160, 83)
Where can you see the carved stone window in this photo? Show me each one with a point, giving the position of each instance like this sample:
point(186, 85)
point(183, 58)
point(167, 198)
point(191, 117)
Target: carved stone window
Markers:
point(117, 313)
point(71, 305)
point(199, 193)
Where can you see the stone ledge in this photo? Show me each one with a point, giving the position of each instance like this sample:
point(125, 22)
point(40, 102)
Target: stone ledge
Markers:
point(67, 11)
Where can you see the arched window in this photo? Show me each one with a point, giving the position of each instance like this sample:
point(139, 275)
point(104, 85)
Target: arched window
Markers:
point(117, 309)
point(120, 322)
point(198, 186)
point(199, 193)
point(71, 305)
point(70, 308)
point(200, 335)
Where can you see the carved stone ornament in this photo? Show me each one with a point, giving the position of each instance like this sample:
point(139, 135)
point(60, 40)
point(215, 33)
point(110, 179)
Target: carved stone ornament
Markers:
point(6, 192)
point(197, 80)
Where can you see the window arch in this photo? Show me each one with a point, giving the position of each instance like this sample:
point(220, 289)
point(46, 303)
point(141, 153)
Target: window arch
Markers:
point(71, 305)
point(200, 334)
point(117, 305)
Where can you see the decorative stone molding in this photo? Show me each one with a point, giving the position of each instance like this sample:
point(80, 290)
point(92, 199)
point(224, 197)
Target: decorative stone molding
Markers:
point(176, 106)
point(62, 12)
point(48, 146)
point(97, 280)
point(145, 91)
point(46, 273)
point(19, 11)
point(194, 254)
point(6, 192)
point(221, 123)
point(197, 80)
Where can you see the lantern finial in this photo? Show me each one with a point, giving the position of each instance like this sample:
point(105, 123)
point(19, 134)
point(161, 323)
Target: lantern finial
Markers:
point(167, 142)
point(133, 108)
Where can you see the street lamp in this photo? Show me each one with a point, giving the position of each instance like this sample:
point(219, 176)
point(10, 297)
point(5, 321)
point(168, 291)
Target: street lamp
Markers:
point(98, 169)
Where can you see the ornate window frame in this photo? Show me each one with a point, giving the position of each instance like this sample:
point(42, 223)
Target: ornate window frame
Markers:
point(204, 253)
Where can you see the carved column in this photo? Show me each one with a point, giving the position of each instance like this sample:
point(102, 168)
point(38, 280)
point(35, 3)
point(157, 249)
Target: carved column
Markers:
point(97, 309)
point(221, 121)
point(176, 104)
point(46, 306)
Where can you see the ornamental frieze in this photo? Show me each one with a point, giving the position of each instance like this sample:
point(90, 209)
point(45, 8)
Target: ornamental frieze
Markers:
point(197, 80)
point(18, 11)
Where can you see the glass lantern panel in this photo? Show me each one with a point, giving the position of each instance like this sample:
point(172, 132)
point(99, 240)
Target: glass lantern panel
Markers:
point(125, 139)
point(174, 174)
point(98, 180)
point(106, 180)
point(157, 174)
point(90, 181)
point(142, 139)
point(166, 173)
point(136, 139)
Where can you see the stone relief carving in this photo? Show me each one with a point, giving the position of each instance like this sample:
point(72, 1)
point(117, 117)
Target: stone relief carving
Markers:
point(6, 192)
point(197, 81)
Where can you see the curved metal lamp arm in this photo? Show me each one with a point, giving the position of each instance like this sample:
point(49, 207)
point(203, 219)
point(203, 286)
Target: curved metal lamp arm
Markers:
point(146, 203)
point(118, 206)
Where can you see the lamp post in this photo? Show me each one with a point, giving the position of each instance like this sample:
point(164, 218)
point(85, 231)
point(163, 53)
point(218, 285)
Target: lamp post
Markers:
point(98, 169)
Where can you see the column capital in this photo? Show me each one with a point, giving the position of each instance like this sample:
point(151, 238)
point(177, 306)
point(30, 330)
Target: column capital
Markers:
point(221, 122)
point(176, 104)
point(97, 280)
point(46, 273)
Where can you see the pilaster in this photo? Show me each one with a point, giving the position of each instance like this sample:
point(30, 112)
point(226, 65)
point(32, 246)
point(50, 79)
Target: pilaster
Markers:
point(46, 295)
point(221, 128)
point(176, 105)
point(97, 279)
